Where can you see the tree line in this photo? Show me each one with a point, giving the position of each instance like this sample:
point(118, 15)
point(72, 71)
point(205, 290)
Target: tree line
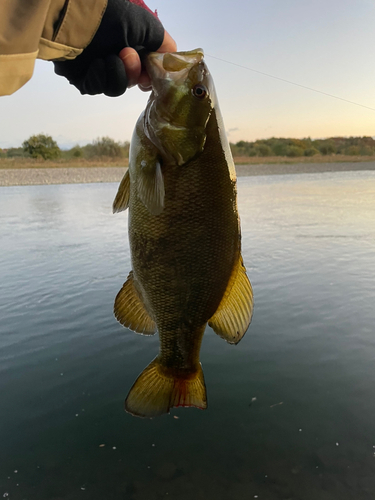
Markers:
point(353, 146)
point(44, 146)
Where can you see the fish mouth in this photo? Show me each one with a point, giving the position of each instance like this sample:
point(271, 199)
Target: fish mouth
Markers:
point(173, 75)
point(172, 66)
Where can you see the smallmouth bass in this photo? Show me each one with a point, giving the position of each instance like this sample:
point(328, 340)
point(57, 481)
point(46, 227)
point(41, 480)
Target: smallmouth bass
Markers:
point(184, 234)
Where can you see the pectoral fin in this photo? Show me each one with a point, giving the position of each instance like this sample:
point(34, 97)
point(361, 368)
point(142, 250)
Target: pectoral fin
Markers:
point(233, 316)
point(130, 310)
point(121, 202)
point(151, 186)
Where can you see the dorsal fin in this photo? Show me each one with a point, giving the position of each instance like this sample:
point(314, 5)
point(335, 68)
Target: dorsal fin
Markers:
point(233, 316)
point(130, 310)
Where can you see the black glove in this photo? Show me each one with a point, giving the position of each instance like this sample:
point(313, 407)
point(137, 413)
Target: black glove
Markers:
point(99, 69)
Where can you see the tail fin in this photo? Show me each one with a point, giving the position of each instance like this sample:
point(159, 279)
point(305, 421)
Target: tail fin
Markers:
point(155, 392)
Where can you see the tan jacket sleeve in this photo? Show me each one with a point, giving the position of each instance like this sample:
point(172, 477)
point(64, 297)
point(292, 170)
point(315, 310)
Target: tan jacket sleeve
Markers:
point(44, 29)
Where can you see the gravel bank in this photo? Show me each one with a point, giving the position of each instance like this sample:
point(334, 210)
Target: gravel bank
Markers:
point(72, 175)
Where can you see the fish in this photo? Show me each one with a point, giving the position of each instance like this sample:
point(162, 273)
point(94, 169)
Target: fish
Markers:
point(184, 234)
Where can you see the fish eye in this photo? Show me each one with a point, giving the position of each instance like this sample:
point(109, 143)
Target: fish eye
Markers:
point(199, 91)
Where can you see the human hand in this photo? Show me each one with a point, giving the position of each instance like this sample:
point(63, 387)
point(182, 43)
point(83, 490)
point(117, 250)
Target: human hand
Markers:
point(110, 63)
point(136, 73)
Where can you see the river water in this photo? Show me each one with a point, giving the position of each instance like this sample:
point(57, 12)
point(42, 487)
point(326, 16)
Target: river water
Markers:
point(291, 408)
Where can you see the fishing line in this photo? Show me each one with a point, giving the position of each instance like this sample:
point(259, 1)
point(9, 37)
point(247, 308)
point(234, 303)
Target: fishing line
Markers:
point(291, 83)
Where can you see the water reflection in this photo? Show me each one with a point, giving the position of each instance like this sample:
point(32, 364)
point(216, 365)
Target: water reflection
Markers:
point(66, 365)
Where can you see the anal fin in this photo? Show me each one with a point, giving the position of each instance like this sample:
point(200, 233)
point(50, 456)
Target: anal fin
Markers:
point(233, 316)
point(130, 310)
point(156, 391)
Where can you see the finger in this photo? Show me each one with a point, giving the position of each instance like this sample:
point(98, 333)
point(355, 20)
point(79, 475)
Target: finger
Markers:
point(168, 45)
point(144, 82)
point(116, 81)
point(132, 65)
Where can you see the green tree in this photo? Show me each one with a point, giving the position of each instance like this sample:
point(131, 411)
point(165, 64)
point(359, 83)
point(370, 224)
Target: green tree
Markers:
point(294, 151)
point(125, 147)
point(311, 151)
point(41, 145)
point(366, 151)
point(280, 148)
point(76, 152)
point(263, 150)
point(352, 150)
point(327, 147)
point(104, 146)
point(16, 153)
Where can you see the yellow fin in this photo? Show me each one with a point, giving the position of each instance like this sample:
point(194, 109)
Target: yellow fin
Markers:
point(121, 202)
point(233, 316)
point(151, 186)
point(130, 310)
point(156, 391)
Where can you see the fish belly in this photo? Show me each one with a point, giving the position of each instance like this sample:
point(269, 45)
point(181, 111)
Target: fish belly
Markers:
point(183, 258)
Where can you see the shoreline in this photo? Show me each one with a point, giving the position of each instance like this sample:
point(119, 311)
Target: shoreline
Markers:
point(87, 175)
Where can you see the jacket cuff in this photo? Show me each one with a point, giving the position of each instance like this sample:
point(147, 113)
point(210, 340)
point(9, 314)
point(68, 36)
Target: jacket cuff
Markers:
point(15, 71)
point(79, 23)
point(51, 51)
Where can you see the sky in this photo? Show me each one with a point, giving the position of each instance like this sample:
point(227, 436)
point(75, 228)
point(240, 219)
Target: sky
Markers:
point(328, 45)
